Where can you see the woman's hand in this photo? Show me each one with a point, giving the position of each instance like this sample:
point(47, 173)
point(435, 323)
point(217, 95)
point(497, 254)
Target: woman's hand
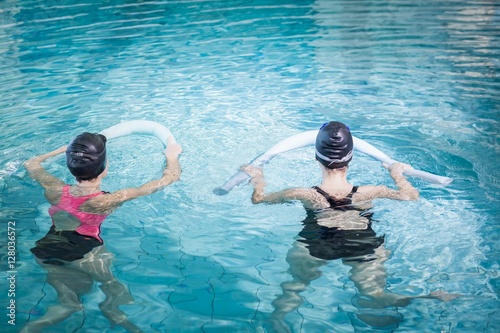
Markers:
point(397, 168)
point(405, 191)
point(252, 170)
point(173, 150)
point(38, 173)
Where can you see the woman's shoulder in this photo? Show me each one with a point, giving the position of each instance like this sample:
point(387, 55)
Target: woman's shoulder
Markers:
point(368, 188)
point(302, 192)
point(103, 203)
point(310, 197)
point(368, 192)
point(54, 193)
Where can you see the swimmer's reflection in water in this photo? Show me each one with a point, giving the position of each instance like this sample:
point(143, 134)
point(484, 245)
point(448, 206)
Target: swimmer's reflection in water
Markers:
point(338, 226)
point(72, 252)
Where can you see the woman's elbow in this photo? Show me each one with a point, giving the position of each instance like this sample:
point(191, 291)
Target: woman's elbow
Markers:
point(32, 164)
point(171, 177)
point(175, 177)
point(411, 196)
point(256, 199)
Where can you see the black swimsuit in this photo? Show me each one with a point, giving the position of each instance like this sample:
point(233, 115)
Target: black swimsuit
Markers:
point(67, 245)
point(334, 243)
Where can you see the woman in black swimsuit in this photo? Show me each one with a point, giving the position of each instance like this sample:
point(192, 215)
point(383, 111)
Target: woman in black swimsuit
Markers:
point(338, 226)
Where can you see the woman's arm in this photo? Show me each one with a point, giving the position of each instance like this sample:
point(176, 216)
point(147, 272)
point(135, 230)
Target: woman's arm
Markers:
point(171, 173)
point(405, 190)
point(259, 185)
point(39, 174)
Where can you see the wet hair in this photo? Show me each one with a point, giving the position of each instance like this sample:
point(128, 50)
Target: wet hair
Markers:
point(86, 156)
point(334, 145)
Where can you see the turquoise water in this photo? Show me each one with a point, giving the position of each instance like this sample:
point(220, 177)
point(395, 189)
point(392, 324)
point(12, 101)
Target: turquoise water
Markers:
point(418, 80)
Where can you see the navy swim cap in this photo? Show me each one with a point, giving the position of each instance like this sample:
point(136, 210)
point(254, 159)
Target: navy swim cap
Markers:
point(334, 146)
point(86, 156)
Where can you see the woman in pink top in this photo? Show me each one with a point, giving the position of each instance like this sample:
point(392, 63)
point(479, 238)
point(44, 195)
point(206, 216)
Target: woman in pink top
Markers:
point(73, 252)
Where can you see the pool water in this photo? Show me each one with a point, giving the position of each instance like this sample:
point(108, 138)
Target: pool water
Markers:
point(419, 80)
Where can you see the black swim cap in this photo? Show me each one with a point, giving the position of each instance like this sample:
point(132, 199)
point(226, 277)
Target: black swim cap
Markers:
point(334, 145)
point(86, 156)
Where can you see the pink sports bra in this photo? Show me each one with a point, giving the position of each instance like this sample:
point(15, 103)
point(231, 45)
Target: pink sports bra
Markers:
point(90, 223)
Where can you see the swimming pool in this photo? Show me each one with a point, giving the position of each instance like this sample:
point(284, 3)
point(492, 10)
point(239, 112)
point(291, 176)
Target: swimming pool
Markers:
point(231, 78)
